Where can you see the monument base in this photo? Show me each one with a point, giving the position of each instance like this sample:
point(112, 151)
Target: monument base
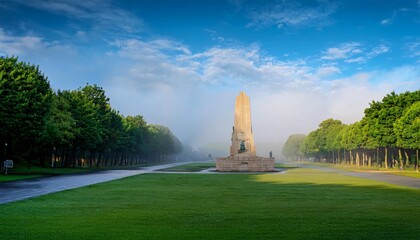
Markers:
point(244, 162)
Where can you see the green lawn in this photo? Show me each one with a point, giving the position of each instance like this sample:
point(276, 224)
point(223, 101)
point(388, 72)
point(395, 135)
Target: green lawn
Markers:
point(299, 204)
point(192, 167)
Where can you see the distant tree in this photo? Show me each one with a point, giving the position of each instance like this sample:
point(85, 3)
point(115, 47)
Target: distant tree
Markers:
point(162, 143)
point(309, 146)
point(136, 130)
point(291, 147)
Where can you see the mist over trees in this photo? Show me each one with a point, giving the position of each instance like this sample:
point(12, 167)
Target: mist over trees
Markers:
point(387, 136)
point(72, 127)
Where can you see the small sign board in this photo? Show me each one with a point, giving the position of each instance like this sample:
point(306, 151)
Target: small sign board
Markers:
point(8, 164)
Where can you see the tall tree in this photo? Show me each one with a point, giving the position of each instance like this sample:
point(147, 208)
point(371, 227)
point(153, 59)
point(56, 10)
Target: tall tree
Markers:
point(25, 101)
point(407, 130)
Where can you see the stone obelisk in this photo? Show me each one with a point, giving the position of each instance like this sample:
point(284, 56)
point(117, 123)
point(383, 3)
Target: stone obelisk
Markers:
point(242, 151)
point(242, 128)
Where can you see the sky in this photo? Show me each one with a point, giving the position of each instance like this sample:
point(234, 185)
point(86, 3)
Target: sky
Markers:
point(182, 63)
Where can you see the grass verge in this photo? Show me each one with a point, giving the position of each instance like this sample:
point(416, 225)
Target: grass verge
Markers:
point(409, 172)
point(192, 167)
point(300, 204)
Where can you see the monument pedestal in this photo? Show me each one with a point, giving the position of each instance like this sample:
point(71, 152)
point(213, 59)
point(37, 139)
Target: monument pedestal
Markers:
point(244, 162)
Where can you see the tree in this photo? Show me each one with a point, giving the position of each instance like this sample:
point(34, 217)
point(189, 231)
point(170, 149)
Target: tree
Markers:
point(407, 130)
point(25, 101)
point(309, 146)
point(291, 147)
point(161, 142)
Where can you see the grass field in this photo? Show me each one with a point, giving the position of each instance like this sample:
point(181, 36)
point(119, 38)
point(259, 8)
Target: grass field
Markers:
point(300, 204)
point(192, 167)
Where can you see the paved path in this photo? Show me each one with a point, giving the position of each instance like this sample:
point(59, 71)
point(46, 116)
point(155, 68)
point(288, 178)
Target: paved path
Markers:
point(377, 176)
point(18, 190)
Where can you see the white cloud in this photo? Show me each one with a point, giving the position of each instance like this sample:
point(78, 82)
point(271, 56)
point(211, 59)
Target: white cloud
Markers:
point(414, 48)
point(344, 51)
point(380, 49)
point(162, 61)
point(356, 60)
point(386, 21)
point(102, 14)
point(193, 93)
point(395, 14)
point(292, 14)
point(353, 52)
point(65, 66)
point(28, 45)
point(325, 71)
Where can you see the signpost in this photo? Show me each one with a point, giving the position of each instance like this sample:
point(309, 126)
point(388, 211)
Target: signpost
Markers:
point(7, 164)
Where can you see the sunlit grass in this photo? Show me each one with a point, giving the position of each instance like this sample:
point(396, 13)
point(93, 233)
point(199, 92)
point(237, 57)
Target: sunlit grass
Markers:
point(408, 171)
point(312, 176)
point(299, 204)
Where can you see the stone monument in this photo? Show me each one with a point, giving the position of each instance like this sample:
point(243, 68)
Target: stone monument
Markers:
point(242, 151)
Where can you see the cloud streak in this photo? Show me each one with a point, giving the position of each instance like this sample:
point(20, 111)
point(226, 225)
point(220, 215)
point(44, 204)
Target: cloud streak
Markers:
point(102, 15)
point(413, 49)
point(353, 52)
point(291, 14)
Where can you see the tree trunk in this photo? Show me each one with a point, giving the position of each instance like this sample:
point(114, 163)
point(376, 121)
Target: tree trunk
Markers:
point(386, 158)
point(417, 158)
point(344, 156)
point(401, 159)
point(363, 158)
point(357, 159)
point(407, 158)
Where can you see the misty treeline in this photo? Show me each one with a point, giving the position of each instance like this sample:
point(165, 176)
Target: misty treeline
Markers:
point(387, 136)
point(72, 127)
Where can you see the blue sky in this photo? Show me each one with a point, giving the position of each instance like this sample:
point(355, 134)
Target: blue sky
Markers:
point(181, 63)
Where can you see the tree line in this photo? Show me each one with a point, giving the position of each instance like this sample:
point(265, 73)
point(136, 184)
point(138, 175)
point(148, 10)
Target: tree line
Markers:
point(70, 128)
point(388, 136)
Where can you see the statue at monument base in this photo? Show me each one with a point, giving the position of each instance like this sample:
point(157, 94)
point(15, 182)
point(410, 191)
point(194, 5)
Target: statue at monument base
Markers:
point(243, 156)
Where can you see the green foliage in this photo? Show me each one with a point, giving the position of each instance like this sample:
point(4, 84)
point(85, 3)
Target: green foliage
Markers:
point(323, 140)
point(72, 127)
point(25, 101)
point(389, 131)
point(291, 147)
point(407, 128)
